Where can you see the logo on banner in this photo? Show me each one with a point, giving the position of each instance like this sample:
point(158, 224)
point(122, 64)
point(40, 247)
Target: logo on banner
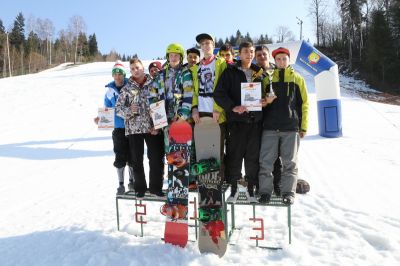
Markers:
point(313, 58)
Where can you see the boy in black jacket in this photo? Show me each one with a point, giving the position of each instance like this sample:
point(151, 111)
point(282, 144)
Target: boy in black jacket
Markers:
point(243, 126)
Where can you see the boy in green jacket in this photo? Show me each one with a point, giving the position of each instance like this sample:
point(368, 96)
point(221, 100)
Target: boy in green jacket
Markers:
point(285, 119)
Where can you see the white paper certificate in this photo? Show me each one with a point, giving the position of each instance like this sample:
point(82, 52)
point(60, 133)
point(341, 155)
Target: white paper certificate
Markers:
point(158, 114)
point(106, 118)
point(251, 95)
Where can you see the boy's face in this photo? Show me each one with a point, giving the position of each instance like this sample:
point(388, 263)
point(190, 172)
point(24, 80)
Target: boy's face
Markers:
point(137, 70)
point(262, 58)
point(207, 46)
point(192, 59)
point(246, 55)
point(282, 60)
point(174, 59)
point(227, 55)
point(153, 71)
point(118, 79)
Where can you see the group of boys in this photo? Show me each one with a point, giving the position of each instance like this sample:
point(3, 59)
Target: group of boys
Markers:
point(267, 141)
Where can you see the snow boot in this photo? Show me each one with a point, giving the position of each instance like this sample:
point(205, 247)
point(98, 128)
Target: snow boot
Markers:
point(234, 193)
point(250, 192)
point(288, 198)
point(121, 188)
point(264, 198)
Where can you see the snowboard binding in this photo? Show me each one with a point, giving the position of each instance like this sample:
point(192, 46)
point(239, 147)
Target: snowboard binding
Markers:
point(210, 214)
point(177, 158)
point(204, 166)
point(174, 211)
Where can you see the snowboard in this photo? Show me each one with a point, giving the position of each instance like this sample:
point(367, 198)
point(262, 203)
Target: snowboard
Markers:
point(176, 206)
point(212, 236)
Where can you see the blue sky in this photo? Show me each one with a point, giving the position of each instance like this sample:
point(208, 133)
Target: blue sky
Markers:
point(147, 27)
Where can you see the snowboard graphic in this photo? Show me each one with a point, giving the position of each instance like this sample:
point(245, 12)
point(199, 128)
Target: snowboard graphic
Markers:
point(212, 236)
point(176, 207)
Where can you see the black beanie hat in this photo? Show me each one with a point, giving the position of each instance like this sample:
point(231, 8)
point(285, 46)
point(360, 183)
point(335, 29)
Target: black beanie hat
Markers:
point(193, 50)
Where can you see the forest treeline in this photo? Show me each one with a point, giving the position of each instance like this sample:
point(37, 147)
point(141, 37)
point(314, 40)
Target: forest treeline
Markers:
point(362, 36)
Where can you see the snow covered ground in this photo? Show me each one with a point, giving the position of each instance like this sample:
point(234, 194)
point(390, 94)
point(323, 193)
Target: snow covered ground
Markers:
point(57, 186)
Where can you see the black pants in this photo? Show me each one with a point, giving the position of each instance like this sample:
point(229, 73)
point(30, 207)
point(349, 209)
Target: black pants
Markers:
point(121, 147)
point(243, 141)
point(277, 172)
point(155, 154)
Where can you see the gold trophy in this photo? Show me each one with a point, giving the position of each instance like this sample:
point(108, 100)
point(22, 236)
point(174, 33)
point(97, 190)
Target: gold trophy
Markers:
point(270, 72)
point(177, 97)
point(135, 100)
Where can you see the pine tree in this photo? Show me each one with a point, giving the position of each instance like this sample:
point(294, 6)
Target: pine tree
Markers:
point(2, 29)
point(248, 37)
point(351, 25)
point(232, 40)
point(267, 39)
point(238, 38)
point(17, 35)
point(261, 40)
point(2, 50)
point(380, 49)
point(32, 47)
point(93, 49)
point(394, 12)
point(219, 43)
point(83, 46)
point(32, 43)
point(2, 36)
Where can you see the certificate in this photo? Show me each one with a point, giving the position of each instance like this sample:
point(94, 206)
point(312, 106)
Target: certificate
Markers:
point(158, 114)
point(251, 95)
point(106, 118)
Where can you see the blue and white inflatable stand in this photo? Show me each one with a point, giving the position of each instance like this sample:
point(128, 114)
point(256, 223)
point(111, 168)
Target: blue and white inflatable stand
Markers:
point(326, 79)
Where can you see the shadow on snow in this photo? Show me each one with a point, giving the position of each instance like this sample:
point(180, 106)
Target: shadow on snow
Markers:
point(24, 151)
point(77, 246)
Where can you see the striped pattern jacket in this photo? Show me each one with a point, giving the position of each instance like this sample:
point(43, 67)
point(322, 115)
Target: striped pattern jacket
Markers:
point(141, 122)
point(175, 86)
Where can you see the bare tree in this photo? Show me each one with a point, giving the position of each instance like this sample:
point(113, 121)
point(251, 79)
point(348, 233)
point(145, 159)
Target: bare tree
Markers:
point(112, 56)
point(49, 32)
point(66, 40)
point(283, 34)
point(317, 9)
point(76, 26)
point(30, 27)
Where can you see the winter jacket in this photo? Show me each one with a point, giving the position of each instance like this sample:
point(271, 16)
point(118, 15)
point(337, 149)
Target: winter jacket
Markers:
point(182, 86)
point(110, 100)
point(141, 122)
point(220, 66)
point(228, 92)
point(289, 111)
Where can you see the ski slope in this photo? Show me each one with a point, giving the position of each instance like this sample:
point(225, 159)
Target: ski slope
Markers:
point(57, 186)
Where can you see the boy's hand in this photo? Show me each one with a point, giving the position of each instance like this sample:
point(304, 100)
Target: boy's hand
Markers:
point(96, 120)
point(195, 115)
point(240, 109)
point(153, 131)
point(216, 116)
point(267, 100)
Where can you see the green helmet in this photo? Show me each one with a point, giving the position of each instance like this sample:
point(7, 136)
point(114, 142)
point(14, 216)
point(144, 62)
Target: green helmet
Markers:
point(175, 48)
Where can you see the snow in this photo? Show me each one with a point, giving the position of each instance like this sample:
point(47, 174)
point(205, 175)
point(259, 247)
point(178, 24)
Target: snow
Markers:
point(57, 186)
